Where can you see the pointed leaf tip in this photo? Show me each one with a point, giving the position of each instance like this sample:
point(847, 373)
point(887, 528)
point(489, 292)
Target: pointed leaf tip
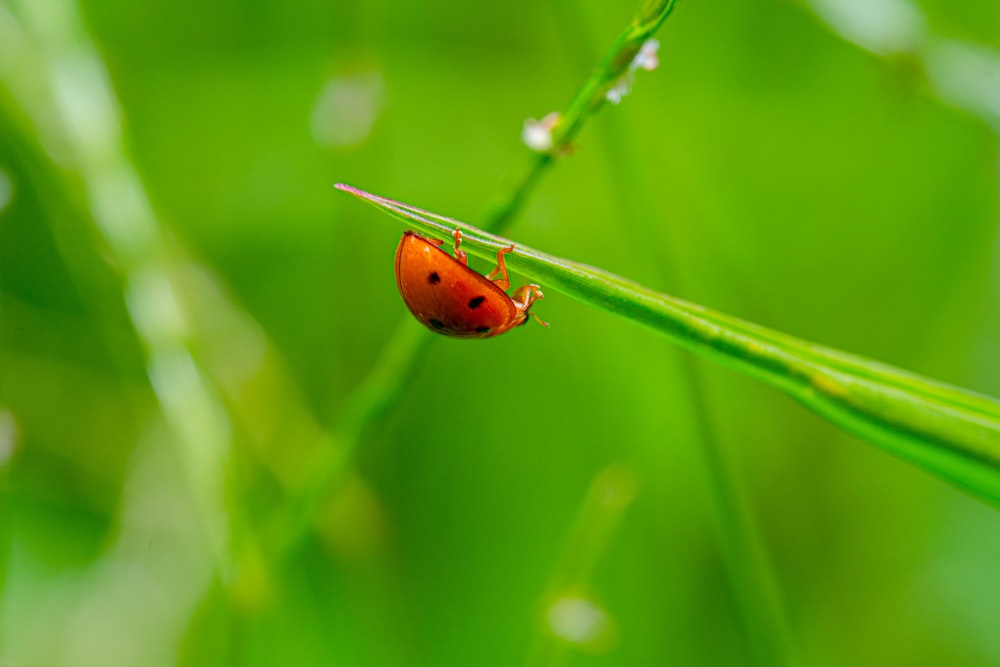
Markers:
point(362, 194)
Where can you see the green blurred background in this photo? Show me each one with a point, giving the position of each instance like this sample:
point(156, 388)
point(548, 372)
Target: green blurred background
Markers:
point(187, 308)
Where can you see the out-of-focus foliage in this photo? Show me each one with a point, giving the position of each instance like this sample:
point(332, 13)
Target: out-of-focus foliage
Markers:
point(186, 308)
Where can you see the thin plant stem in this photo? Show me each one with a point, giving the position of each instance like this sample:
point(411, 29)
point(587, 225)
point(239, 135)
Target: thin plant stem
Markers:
point(592, 96)
point(589, 98)
point(502, 214)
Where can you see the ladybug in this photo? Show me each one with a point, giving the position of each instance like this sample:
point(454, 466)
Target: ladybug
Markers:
point(449, 298)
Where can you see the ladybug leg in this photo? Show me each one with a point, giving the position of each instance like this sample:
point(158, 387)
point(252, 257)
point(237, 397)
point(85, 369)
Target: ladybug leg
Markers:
point(524, 297)
point(460, 254)
point(501, 270)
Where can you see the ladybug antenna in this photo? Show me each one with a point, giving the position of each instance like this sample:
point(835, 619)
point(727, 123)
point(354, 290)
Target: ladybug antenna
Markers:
point(539, 320)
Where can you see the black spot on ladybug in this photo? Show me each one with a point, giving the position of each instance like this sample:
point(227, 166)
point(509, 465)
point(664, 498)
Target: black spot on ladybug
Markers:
point(434, 278)
point(482, 329)
point(476, 301)
point(437, 324)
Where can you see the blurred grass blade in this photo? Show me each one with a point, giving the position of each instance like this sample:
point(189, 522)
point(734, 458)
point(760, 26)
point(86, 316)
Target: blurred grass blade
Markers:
point(950, 432)
point(571, 616)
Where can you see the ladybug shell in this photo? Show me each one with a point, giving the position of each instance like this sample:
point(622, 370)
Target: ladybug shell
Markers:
point(448, 297)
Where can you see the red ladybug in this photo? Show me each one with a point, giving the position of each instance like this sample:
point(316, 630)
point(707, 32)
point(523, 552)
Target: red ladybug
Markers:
point(449, 298)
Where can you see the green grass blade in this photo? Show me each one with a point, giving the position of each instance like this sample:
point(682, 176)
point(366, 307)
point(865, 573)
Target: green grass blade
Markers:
point(950, 432)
